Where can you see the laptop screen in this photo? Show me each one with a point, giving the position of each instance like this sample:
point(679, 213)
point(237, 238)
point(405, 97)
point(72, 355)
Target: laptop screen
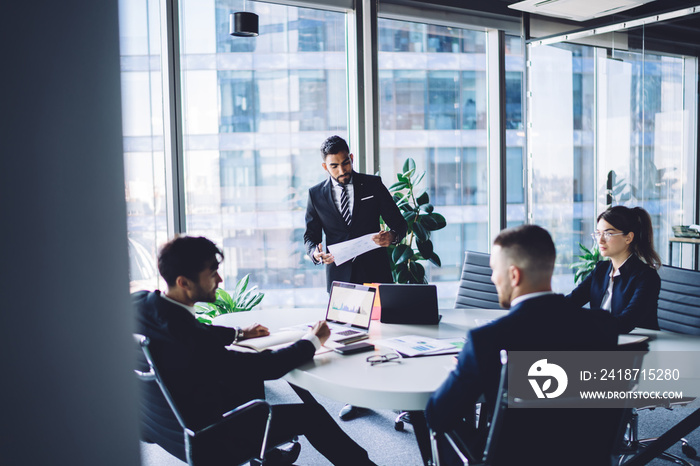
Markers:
point(350, 303)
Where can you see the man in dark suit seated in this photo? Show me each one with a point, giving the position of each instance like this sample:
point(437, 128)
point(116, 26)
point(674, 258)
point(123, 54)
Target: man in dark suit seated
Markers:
point(206, 380)
point(346, 206)
point(522, 263)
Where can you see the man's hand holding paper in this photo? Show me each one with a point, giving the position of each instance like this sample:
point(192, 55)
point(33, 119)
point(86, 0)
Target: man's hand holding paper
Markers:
point(348, 250)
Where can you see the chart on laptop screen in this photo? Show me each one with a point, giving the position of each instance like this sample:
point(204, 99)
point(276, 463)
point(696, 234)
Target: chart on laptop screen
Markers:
point(350, 305)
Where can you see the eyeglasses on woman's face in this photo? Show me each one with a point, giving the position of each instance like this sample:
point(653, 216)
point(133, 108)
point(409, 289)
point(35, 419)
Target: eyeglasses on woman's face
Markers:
point(606, 235)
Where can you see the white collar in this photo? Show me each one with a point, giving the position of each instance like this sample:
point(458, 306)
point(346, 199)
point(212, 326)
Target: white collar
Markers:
point(525, 297)
point(189, 308)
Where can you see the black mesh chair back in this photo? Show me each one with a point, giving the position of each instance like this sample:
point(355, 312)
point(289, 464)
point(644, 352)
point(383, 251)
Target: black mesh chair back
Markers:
point(679, 300)
point(476, 291)
point(158, 422)
point(225, 442)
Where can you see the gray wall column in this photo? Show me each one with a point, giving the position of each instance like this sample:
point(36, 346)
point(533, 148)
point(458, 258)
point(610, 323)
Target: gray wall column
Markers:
point(68, 392)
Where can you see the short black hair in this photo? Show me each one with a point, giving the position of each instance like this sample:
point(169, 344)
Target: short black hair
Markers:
point(530, 247)
point(334, 145)
point(187, 256)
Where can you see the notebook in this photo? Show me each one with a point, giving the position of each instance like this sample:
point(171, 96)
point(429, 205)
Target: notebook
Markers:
point(409, 304)
point(349, 311)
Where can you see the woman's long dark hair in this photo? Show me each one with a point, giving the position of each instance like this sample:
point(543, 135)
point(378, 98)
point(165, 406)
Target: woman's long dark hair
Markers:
point(638, 221)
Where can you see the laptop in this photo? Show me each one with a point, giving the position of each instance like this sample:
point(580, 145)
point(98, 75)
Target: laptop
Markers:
point(349, 312)
point(409, 304)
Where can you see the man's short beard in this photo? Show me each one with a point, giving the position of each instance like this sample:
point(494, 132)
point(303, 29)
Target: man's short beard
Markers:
point(349, 175)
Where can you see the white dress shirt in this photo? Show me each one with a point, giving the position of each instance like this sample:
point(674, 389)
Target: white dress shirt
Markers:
point(337, 190)
point(606, 303)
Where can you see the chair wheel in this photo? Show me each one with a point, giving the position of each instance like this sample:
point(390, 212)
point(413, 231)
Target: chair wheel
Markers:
point(687, 450)
point(398, 425)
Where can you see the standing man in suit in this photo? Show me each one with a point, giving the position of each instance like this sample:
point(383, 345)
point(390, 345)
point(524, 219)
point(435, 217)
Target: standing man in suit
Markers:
point(206, 380)
point(522, 263)
point(346, 206)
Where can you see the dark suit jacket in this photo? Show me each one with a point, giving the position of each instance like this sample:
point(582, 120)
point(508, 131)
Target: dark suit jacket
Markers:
point(371, 200)
point(538, 324)
point(204, 378)
point(635, 293)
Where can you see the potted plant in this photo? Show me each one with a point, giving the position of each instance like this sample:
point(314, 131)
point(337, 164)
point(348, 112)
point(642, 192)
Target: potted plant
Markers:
point(422, 221)
point(588, 259)
point(241, 300)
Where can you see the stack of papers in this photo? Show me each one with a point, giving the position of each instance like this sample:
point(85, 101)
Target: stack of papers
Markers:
point(416, 345)
point(273, 341)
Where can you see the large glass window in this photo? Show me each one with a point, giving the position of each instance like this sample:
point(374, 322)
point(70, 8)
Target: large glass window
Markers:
point(607, 129)
point(433, 108)
point(515, 132)
point(144, 159)
point(255, 113)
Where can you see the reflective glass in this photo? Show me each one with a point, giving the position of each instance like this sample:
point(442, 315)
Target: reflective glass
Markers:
point(432, 105)
point(515, 132)
point(606, 130)
point(255, 113)
point(144, 159)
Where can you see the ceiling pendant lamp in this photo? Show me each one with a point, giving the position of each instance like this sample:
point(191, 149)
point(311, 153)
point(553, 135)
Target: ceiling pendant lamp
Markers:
point(243, 24)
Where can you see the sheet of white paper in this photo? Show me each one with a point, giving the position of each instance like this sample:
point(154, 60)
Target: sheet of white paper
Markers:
point(350, 249)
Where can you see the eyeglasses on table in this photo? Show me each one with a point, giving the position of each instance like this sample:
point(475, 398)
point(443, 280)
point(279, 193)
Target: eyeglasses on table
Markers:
point(382, 358)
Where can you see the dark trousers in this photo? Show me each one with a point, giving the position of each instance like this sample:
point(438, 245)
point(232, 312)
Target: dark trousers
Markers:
point(320, 429)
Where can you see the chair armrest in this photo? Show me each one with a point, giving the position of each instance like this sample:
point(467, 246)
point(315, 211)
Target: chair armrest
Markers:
point(234, 416)
point(231, 416)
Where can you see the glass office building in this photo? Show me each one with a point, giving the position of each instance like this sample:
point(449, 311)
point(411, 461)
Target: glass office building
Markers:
point(253, 112)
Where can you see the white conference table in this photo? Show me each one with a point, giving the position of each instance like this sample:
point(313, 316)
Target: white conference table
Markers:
point(407, 386)
point(404, 386)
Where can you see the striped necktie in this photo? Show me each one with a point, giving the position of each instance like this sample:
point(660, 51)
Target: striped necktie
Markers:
point(345, 204)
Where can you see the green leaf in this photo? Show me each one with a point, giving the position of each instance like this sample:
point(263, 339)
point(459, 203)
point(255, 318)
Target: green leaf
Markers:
point(421, 233)
point(403, 276)
point(442, 223)
point(255, 301)
point(419, 179)
point(425, 248)
point(204, 320)
point(429, 222)
point(409, 165)
point(417, 272)
point(435, 259)
point(398, 186)
point(242, 284)
point(409, 215)
point(423, 199)
point(428, 208)
point(402, 253)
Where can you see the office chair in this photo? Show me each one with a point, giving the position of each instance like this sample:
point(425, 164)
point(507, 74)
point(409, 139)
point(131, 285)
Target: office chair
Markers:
point(541, 434)
point(679, 312)
point(162, 422)
point(476, 291)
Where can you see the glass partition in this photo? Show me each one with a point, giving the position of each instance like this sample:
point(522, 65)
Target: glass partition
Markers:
point(255, 113)
point(144, 159)
point(433, 108)
point(608, 127)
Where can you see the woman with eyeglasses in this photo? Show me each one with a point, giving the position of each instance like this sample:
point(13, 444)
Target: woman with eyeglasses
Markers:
point(627, 284)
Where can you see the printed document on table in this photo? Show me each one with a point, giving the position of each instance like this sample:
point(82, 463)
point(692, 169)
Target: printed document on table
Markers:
point(417, 345)
point(350, 249)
